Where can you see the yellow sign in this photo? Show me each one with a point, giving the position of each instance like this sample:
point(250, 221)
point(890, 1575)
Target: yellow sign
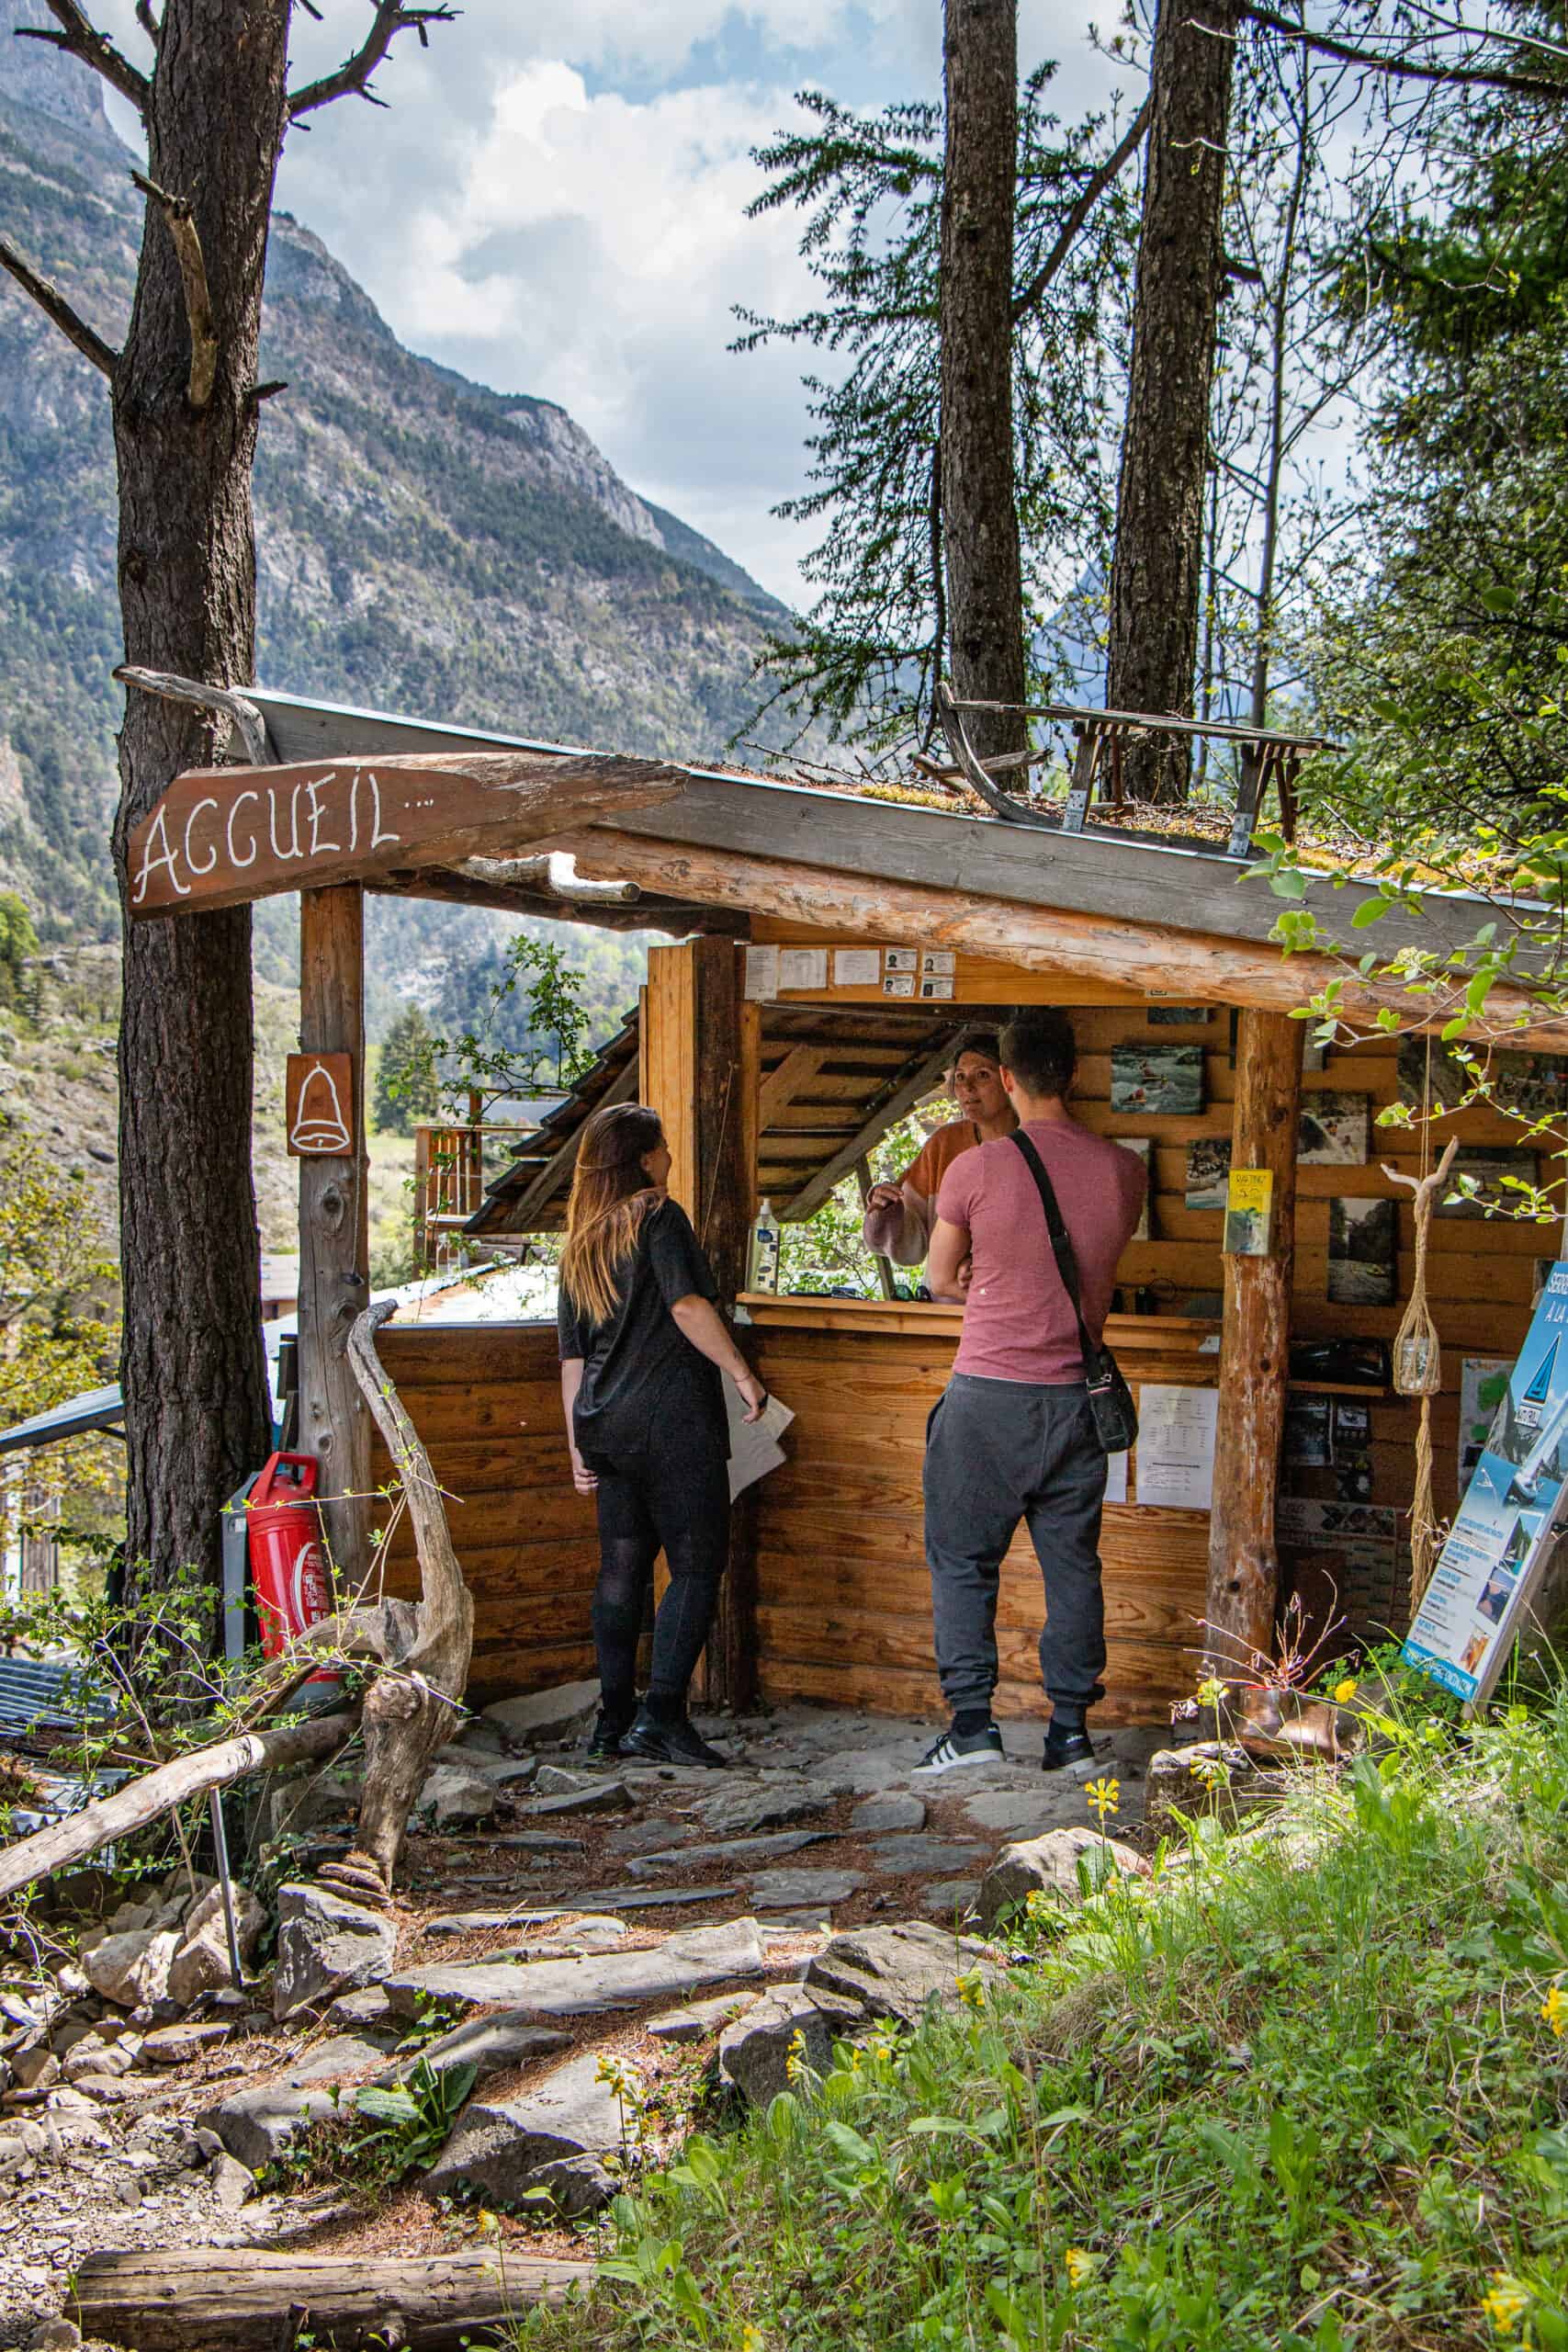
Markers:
point(1250, 1205)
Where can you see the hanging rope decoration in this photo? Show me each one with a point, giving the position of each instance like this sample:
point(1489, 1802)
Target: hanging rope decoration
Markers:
point(1418, 1364)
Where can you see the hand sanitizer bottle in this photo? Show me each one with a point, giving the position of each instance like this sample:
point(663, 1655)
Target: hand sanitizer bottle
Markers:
point(763, 1272)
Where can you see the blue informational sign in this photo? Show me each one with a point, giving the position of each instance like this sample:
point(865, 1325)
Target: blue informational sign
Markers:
point(1469, 1611)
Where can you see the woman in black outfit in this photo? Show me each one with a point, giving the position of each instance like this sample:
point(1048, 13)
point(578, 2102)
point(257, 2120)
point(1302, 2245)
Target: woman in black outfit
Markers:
point(643, 1356)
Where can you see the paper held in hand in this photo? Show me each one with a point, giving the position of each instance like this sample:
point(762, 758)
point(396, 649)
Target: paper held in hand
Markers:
point(754, 1447)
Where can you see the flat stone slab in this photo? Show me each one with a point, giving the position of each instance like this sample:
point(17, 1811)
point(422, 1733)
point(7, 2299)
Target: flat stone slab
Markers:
point(544, 1714)
point(571, 1988)
point(254, 2125)
point(696, 2019)
point(775, 1802)
point(468, 1923)
point(651, 1899)
point(539, 1842)
point(555, 2136)
point(951, 1900)
point(354, 2011)
point(894, 1971)
point(1026, 1813)
point(560, 1780)
point(644, 1837)
point(599, 1797)
point(755, 2052)
point(792, 1890)
point(493, 2045)
point(730, 1852)
point(918, 1855)
point(873, 1817)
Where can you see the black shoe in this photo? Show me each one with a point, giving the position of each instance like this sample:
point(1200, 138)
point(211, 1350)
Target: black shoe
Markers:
point(604, 1743)
point(953, 1749)
point(1066, 1748)
point(671, 1743)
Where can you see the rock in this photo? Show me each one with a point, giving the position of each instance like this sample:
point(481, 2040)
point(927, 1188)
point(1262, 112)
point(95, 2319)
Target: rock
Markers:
point(91, 2056)
point(366, 2008)
point(649, 1898)
point(539, 1842)
point(895, 1811)
point(1025, 1812)
point(599, 1797)
point(771, 1804)
point(453, 1794)
point(35, 2069)
point(728, 1853)
point(593, 1932)
point(231, 2183)
point(544, 1714)
point(918, 1855)
point(1049, 1865)
point(556, 1780)
point(894, 1972)
point(555, 2136)
point(1212, 1776)
point(130, 1916)
point(201, 1963)
point(479, 1739)
point(696, 2019)
point(132, 1970)
point(491, 2044)
point(256, 2124)
point(567, 1988)
point(754, 2053)
point(949, 1899)
point(798, 1890)
point(332, 2061)
point(644, 1837)
point(54, 2335)
point(326, 1946)
point(174, 2045)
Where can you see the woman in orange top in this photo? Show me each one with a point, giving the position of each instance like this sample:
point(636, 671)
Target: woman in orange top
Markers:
point(899, 1216)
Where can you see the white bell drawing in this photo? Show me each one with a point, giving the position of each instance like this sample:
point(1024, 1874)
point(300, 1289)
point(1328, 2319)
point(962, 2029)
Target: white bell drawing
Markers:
point(319, 1123)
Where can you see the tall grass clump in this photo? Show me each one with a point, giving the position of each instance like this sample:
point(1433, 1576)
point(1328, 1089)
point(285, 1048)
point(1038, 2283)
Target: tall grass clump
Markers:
point(1304, 2087)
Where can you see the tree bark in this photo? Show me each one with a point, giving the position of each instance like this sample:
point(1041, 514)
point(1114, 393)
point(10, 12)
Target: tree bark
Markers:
point(196, 1411)
point(1156, 570)
point(979, 509)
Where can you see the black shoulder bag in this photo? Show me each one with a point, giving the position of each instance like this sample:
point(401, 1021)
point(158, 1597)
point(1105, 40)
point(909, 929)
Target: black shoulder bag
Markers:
point(1109, 1399)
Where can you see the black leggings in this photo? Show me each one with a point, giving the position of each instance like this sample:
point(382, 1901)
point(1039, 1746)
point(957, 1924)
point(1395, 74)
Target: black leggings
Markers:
point(674, 1499)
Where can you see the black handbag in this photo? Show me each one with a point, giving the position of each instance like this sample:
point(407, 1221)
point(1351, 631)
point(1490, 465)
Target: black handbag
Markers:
point(1109, 1399)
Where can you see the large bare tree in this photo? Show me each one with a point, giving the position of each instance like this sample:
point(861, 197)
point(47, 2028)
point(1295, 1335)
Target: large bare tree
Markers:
point(216, 104)
point(1157, 569)
point(979, 508)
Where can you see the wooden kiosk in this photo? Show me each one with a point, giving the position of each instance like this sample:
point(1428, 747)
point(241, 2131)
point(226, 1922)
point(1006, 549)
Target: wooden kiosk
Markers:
point(771, 1041)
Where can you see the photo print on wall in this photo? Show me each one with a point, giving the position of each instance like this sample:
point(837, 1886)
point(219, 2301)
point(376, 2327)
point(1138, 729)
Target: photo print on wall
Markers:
point(1334, 1130)
point(1158, 1081)
point(1208, 1172)
point(1363, 1239)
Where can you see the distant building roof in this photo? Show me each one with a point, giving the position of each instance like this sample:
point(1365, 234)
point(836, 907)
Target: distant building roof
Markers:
point(98, 1408)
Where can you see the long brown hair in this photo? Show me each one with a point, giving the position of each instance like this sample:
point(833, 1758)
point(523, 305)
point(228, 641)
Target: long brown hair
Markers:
point(610, 1197)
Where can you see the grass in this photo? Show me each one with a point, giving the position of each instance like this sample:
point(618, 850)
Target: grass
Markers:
point(1297, 2090)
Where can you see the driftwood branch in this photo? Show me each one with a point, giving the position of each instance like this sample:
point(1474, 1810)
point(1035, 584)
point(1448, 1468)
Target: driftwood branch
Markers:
point(1093, 189)
point(79, 37)
point(410, 1709)
point(54, 305)
point(247, 720)
point(553, 875)
point(353, 74)
point(181, 221)
point(138, 1802)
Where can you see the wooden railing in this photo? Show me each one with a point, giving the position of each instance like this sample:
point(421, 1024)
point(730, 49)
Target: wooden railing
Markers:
point(450, 1167)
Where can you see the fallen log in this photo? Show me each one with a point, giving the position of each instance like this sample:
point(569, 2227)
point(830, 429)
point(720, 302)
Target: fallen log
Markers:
point(214, 2299)
point(138, 1802)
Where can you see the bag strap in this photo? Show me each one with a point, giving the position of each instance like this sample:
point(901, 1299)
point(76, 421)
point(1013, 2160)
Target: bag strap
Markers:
point(1061, 1244)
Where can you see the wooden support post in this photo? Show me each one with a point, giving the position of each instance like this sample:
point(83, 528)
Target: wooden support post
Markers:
point(701, 1053)
point(1243, 1568)
point(334, 1248)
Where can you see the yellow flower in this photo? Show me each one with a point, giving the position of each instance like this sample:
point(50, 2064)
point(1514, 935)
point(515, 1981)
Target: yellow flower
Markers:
point(1554, 2009)
point(1345, 1692)
point(971, 1990)
point(750, 2338)
point(1080, 2265)
point(1505, 2303)
point(1212, 1692)
point(490, 2226)
point(795, 2059)
point(1103, 1797)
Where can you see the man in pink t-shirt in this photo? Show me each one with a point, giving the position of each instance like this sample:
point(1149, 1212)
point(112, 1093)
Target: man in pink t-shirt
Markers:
point(1012, 1437)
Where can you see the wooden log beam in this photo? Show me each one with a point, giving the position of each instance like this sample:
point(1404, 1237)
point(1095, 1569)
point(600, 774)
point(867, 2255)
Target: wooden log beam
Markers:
point(1140, 955)
point(1254, 1346)
point(334, 1249)
point(894, 1107)
point(221, 836)
point(190, 2298)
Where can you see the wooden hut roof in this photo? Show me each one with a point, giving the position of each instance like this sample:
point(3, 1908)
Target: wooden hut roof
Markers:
point(832, 1082)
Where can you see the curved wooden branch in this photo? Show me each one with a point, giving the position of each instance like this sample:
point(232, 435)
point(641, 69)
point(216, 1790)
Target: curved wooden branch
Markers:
point(54, 305)
point(176, 211)
point(248, 722)
point(1001, 804)
point(79, 37)
point(354, 74)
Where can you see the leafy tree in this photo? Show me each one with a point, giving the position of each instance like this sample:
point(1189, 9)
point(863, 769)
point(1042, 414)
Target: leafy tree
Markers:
point(19, 951)
point(406, 1088)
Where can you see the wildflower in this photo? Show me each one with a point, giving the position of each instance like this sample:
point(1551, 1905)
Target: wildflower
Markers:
point(1103, 1797)
point(1505, 2303)
point(795, 2059)
point(971, 1990)
point(490, 2226)
point(1554, 2009)
point(750, 2338)
point(1345, 1692)
point(1212, 1692)
point(1037, 1904)
point(1212, 1772)
point(1080, 2265)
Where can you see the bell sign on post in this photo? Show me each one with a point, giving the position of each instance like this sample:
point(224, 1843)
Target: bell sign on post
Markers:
point(319, 1106)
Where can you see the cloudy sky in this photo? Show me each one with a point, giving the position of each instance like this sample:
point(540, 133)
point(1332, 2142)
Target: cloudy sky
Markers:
point(555, 204)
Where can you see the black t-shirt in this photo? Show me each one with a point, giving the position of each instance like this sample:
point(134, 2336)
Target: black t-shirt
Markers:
point(640, 1361)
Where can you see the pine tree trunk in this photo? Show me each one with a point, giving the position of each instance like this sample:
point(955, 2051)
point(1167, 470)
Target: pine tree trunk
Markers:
point(1156, 572)
point(196, 1413)
point(979, 510)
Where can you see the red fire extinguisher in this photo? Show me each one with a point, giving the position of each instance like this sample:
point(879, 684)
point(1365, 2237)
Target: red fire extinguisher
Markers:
point(289, 1566)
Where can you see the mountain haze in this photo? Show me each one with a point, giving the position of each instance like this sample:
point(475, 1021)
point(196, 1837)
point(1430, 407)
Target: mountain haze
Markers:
point(424, 543)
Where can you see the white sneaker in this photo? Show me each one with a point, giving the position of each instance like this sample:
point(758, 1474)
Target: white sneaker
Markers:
point(955, 1749)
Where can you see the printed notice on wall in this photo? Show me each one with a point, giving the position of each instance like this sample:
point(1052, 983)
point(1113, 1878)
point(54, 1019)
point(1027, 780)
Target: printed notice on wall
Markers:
point(900, 959)
point(802, 967)
point(761, 974)
point(1176, 1447)
point(856, 968)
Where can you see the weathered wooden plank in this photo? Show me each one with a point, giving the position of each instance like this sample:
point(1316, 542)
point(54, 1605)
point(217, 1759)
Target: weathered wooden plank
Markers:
point(220, 837)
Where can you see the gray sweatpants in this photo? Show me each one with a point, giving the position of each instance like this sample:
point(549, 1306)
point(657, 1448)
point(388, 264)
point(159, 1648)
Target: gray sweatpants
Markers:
point(998, 1451)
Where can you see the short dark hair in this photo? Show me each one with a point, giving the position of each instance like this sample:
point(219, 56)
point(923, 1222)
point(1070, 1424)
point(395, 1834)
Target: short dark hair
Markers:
point(975, 1041)
point(1040, 1049)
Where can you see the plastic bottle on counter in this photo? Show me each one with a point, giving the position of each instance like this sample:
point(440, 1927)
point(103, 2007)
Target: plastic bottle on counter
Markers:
point(762, 1262)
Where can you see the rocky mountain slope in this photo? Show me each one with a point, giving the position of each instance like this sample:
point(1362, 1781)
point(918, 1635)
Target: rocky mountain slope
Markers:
point(424, 543)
